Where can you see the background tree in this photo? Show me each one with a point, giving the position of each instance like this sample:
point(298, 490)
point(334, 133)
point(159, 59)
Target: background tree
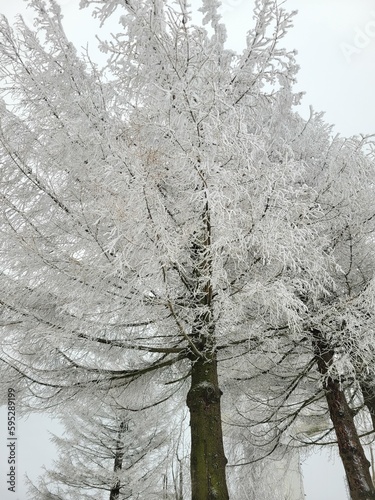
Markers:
point(106, 453)
point(337, 335)
point(344, 183)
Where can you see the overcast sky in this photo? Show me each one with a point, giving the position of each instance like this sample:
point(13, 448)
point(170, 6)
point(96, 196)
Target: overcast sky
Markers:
point(335, 40)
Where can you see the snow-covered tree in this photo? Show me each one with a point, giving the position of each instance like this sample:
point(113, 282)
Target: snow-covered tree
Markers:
point(106, 453)
point(342, 334)
point(332, 356)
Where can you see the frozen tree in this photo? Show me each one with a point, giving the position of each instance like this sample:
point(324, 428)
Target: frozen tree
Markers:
point(333, 350)
point(342, 333)
point(158, 222)
point(105, 453)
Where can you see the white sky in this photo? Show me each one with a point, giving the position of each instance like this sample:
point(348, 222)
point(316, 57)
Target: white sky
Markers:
point(335, 40)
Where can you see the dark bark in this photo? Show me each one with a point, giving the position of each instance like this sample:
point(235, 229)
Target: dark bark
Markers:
point(207, 460)
point(180, 484)
point(368, 393)
point(351, 451)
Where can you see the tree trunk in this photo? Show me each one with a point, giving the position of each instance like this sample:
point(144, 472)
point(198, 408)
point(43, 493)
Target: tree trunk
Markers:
point(368, 393)
point(119, 457)
point(207, 460)
point(351, 451)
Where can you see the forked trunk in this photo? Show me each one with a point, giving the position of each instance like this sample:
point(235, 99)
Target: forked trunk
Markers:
point(207, 461)
point(351, 451)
